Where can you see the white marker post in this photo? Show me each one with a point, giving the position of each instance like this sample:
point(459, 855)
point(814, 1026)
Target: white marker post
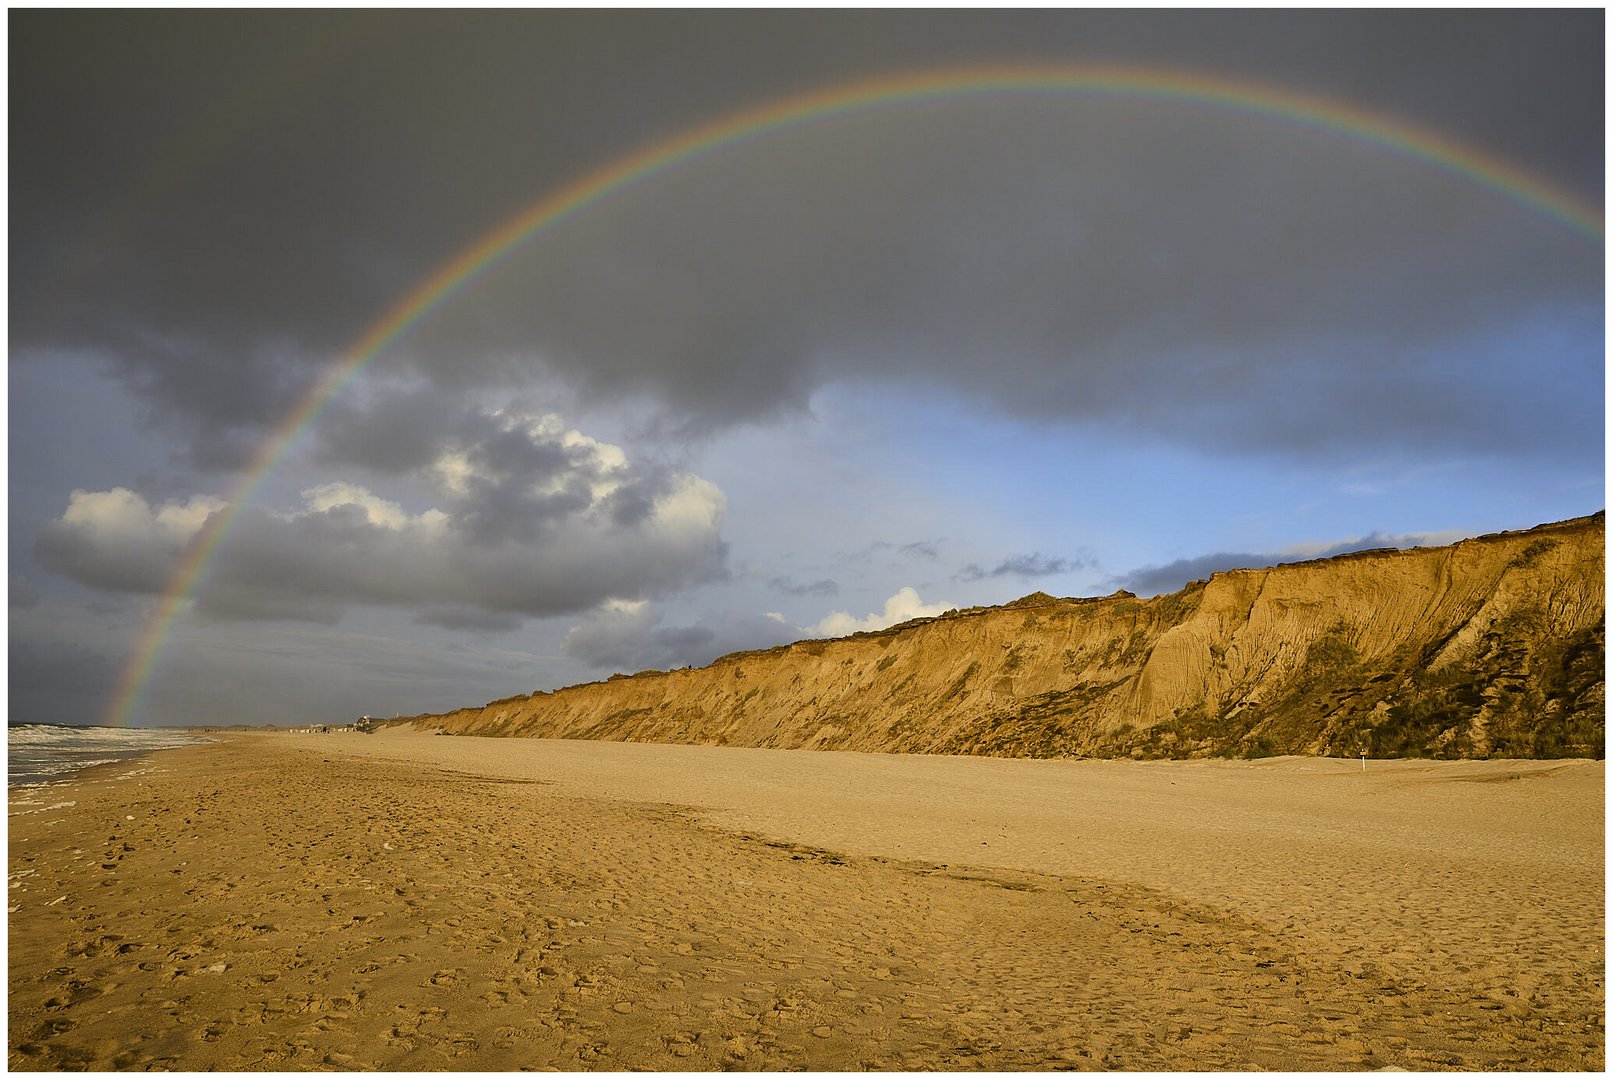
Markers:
point(1363, 761)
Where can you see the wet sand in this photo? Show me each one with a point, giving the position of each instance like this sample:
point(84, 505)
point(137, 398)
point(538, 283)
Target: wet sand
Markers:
point(418, 902)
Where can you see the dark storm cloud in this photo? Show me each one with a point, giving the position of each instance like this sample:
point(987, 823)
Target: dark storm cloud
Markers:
point(1153, 580)
point(630, 638)
point(1202, 280)
point(1033, 565)
point(221, 202)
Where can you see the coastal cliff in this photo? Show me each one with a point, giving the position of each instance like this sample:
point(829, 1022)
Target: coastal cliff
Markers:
point(1491, 647)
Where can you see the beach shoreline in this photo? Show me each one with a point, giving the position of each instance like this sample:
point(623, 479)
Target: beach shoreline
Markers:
point(405, 901)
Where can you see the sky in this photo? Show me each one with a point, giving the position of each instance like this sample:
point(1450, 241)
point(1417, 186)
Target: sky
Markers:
point(825, 376)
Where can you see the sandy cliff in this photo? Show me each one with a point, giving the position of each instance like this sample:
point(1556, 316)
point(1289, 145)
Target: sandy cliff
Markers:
point(1490, 647)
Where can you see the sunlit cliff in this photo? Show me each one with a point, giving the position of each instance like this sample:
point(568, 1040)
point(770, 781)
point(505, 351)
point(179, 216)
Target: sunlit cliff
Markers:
point(1489, 647)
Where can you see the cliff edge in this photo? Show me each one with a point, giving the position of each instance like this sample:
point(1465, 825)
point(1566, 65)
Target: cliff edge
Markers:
point(1491, 647)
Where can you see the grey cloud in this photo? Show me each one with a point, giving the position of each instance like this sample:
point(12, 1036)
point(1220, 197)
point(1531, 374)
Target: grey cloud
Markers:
point(1236, 282)
point(115, 541)
point(473, 619)
point(219, 395)
point(788, 586)
point(526, 523)
point(499, 504)
point(928, 550)
point(633, 639)
point(107, 605)
point(257, 600)
point(1154, 580)
point(22, 592)
point(571, 567)
point(632, 503)
point(507, 462)
point(1023, 566)
point(392, 426)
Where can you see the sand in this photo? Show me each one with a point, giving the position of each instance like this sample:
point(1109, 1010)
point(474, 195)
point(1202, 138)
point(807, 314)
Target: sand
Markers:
point(418, 902)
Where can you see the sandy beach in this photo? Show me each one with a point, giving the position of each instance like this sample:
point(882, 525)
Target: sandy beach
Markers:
point(405, 901)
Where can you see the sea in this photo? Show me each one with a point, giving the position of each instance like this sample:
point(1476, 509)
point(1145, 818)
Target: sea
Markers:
point(43, 754)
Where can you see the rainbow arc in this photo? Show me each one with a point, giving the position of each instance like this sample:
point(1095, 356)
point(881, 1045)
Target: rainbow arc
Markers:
point(817, 106)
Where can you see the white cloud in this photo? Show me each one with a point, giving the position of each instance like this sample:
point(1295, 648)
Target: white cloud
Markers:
point(379, 512)
point(116, 540)
point(535, 519)
point(901, 607)
point(453, 471)
point(126, 515)
point(462, 467)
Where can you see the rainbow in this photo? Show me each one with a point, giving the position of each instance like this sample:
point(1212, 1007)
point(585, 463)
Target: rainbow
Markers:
point(830, 103)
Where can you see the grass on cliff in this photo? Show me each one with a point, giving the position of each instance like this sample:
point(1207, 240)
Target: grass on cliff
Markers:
point(1521, 694)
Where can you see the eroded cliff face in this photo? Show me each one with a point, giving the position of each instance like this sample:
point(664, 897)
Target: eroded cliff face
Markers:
point(1489, 647)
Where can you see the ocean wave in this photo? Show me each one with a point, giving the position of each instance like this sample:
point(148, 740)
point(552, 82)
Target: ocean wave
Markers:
point(42, 753)
point(30, 735)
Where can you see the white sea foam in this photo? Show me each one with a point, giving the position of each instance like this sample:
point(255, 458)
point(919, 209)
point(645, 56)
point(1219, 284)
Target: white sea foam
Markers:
point(41, 755)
